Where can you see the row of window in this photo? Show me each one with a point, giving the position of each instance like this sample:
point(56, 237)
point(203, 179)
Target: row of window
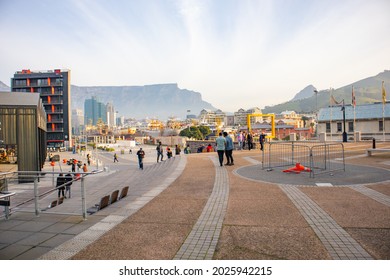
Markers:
point(350, 126)
point(37, 82)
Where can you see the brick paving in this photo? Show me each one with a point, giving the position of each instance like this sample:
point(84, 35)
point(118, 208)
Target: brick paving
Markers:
point(340, 245)
point(203, 239)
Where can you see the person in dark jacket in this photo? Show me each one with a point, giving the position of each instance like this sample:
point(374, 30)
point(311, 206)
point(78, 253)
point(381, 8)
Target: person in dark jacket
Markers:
point(68, 179)
point(61, 185)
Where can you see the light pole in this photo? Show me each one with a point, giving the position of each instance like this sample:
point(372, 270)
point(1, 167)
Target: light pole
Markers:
point(344, 132)
point(316, 93)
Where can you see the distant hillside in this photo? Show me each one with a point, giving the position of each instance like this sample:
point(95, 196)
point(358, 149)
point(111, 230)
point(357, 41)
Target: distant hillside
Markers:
point(368, 90)
point(305, 93)
point(161, 101)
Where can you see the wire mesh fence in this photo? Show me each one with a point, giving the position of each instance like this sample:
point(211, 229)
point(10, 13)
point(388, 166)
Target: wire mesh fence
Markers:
point(318, 157)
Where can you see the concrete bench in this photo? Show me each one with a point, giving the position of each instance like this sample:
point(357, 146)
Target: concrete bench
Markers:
point(371, 151)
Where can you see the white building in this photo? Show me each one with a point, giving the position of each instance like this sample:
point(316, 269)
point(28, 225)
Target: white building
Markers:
point(240, 117)
point(111, 115)
point(366, 120)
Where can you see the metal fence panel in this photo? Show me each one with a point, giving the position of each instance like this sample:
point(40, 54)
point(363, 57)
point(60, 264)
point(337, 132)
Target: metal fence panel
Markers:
point(320, 158)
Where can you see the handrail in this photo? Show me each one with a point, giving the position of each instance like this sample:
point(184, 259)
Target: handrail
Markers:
point(41, 174)
point(6, 194)
point(53, 189)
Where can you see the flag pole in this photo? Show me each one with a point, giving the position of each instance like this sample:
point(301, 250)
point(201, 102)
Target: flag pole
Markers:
point(383, 108)
point(354, 113)
point(331, 108)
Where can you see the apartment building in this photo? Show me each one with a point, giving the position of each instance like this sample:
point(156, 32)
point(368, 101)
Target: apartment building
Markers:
point(54, 89)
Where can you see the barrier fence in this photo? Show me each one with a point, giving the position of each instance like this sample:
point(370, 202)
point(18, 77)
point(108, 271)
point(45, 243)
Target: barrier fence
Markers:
point(318, 157)
point(35, 193)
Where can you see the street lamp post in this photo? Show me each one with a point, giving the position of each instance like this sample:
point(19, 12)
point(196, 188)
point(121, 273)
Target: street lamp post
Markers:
point(316, 93)
point(344, 131)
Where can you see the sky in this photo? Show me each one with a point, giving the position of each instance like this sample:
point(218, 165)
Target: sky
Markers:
point(236, 53)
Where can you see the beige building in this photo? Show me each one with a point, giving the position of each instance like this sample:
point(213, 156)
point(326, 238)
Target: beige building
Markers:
point(240, 117)
point(368, 121)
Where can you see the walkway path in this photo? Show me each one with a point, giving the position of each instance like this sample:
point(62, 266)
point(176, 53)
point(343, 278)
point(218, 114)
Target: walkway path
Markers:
point(337, 241)
point(203, 239)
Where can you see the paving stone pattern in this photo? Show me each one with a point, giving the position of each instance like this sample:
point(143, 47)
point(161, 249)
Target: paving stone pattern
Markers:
point(202, 240)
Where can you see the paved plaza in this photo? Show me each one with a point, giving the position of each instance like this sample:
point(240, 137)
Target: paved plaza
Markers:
point(190, 208)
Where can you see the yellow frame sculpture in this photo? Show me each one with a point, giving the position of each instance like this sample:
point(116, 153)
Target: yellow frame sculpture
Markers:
point(272, 116)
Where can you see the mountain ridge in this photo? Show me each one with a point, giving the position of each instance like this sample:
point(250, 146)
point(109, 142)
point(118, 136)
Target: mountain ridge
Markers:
point(366, 90)
point(161, 100)
point(153, 101)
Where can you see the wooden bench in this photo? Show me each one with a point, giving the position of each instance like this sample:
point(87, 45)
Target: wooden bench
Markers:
point(114, 196)
point(124, 192)
point(371, 151)
point(104, 201)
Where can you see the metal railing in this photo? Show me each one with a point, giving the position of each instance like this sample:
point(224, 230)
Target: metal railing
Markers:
point(8, 177)
point(319, 157)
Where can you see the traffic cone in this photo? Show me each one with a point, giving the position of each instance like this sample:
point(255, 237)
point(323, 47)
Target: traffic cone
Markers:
point(297, 169)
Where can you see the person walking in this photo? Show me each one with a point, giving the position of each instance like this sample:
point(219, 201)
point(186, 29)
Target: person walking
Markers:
point(249, 140)
point(243, 140)
point(169, 152)
point(116, 158)
point(220, 146)
point(141, 155)
point(187, 149)
point(61, 185)
point(68, 180)
point(89, 159)
point(239, 140)
point(229, 149)
point(160, 152)
point(177, 150)
point(262, 140)
point(73, 165)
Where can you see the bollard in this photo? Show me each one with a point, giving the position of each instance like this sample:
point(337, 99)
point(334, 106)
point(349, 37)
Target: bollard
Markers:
point(373, 143)
point(36, 197)
point(83, 197)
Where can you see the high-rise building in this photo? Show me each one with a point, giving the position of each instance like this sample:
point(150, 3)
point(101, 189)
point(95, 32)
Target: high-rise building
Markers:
point(77, 121)
point(111, 115)
point(54, 89)
point(93, 111)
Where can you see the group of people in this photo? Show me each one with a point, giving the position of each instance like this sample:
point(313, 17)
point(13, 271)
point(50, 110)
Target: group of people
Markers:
point(244, 139)
point(160, 151)
point(63, 184)
point(224, 146)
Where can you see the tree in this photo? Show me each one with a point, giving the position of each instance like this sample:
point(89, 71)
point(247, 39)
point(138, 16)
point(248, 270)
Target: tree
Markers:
point(205, 130)
point(192, 132)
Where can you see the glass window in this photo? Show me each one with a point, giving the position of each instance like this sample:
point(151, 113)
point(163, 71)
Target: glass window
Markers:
point(350, 126)
point(339, 127)
point(380, 125)
point(328, 127)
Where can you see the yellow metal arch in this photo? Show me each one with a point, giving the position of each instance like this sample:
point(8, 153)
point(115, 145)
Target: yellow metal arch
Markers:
point(272, 116)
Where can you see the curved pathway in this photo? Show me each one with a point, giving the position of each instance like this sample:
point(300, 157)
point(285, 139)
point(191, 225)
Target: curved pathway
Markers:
point(71, 247)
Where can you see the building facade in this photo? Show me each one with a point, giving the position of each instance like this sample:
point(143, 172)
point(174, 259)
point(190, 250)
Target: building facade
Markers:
point(111, 115)
point(77, 121)
point(23, 131)
point(54, 89)
point(93, 111)
point(240, 117)
point(368, 120)
point(209, 117)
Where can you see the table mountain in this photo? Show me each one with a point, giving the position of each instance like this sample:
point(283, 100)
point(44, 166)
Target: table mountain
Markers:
point(160, 100)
